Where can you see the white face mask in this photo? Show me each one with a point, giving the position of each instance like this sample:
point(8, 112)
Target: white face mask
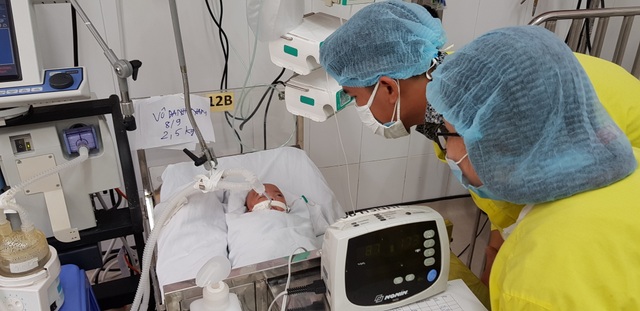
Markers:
point(267, 204)
point(392, 129)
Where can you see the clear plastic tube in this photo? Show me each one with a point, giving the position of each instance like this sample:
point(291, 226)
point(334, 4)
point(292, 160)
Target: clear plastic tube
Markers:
point(27, 224)
point(143, 291)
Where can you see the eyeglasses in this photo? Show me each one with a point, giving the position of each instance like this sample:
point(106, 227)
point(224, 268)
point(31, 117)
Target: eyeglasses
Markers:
point(438, 133)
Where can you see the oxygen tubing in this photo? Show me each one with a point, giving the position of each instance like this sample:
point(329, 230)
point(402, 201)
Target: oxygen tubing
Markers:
point(143, 291)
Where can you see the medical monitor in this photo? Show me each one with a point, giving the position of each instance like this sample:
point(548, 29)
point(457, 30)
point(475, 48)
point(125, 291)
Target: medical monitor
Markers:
point(9, 61)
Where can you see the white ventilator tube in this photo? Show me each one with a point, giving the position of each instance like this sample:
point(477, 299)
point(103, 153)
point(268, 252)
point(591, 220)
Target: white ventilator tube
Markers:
point(7, 198)
point(216, 181)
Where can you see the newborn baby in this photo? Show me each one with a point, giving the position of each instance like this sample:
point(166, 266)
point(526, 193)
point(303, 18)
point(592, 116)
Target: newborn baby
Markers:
point(256, 202)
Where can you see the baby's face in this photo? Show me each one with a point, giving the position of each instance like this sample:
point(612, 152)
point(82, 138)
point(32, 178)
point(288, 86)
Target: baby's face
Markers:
point(272, 191)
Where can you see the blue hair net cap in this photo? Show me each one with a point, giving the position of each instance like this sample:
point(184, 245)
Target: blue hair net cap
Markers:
point(394, 39)
point(532, 124)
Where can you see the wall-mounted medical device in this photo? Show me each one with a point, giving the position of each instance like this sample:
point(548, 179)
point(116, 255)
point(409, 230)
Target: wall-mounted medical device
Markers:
point(60, 204)
point(23, 81)
point(385, 258)
point(299, 49)
point(316, 96)
point(312, 93)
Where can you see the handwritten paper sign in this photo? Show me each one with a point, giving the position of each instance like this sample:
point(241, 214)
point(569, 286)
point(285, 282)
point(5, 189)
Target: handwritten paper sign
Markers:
point(163, 121)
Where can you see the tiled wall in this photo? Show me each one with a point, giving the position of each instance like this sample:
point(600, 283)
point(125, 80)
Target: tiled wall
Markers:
point(381, 171)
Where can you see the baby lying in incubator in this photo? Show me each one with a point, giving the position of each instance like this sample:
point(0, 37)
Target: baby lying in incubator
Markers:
point(275, 200)
point(256, 235)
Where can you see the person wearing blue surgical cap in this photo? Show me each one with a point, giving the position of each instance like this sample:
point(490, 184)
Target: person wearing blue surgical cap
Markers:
point(521, 125)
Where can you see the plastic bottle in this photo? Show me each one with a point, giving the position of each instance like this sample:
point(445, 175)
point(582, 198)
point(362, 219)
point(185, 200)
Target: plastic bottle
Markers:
point(215, 293)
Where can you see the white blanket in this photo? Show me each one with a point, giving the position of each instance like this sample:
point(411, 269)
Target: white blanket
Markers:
point(264, 235)
point(202, 230)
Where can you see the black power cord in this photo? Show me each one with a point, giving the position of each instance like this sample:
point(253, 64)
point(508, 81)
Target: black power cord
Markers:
point(316, 287)
point(224, 80)
point(315, 306)
point(273, 84)
point(266, 112)
point(74, 30)
point(586, 26)
point(477, 235)
point(224, 43)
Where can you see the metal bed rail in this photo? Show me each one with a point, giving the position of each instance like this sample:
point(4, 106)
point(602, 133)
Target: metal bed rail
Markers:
point(578, 17)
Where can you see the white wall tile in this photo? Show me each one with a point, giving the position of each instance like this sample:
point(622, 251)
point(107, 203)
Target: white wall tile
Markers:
point(459, 21)
point(338, 179)
point(324, 144)
point(426, 178)
point(100, 73)
point(494, 14)
point(381, 182)
point(419, 144)
point(376, 148)
point(453, 185)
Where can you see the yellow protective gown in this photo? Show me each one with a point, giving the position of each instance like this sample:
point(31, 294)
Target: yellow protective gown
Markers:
point(578, 253)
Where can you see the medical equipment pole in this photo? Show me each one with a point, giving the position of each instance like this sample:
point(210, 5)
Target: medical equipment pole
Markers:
point(122, 67)
point(207, 152)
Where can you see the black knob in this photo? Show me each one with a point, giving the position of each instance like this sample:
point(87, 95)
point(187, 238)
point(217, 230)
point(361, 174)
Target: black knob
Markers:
point(197, 161)
point(135, 64)
point(61, 80)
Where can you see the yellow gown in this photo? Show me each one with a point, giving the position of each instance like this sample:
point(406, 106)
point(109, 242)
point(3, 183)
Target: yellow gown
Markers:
point(578, 253)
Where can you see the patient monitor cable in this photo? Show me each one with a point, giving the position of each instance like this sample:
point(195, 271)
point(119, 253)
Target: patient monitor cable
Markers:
point(346, 163)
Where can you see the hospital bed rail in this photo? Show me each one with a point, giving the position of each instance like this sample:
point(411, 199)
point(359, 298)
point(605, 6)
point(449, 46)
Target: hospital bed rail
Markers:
point(577, 38)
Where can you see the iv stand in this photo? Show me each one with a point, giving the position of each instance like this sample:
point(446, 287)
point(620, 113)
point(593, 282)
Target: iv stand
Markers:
point(122, 67)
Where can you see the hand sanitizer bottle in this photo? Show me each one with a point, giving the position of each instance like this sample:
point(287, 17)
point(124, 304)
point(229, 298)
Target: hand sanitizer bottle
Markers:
point(215, 293)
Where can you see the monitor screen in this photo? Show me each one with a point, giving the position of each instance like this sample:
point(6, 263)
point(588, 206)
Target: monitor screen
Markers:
point(9, 62)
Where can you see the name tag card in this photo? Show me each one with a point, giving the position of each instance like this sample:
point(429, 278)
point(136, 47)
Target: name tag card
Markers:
point(163, 121)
